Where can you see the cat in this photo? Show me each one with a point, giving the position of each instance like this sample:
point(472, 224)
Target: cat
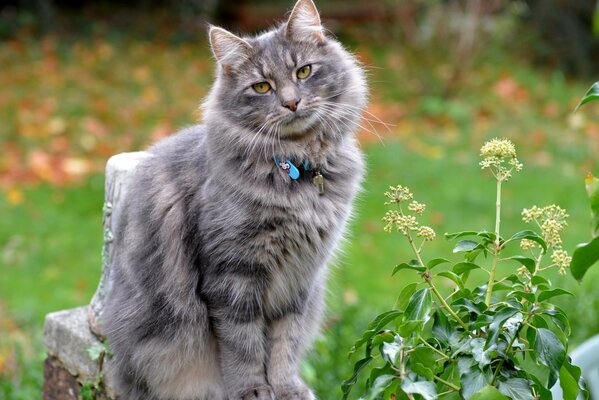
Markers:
point(225, 236)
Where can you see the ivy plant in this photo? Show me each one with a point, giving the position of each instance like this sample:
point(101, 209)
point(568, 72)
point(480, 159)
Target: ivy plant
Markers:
point(504, 339)
point(587, 254)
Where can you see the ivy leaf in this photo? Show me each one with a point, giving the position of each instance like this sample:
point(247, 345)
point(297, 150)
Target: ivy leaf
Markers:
point(530, 235)
point(453, 277)
point(422, 360)
point(347, 385)
point(516, 389)
point(553, 293)
point(592, 188)
point(488, 393)
point(463, 267)
point(456, 235)
point(375, 327)
point(498, 320)
point(570, 380)
point(380, 384)
point(550, 352)
point(436, 261)
point(426, 389)
point(441, 327)
point(96, 351)
point(465, 245)
point(474, 381)
point(389, 351)
point(418, 268)
point(481, 354)
point(583, 258)
point(529, 263)
point(404, 296)
point(590, 95)
point(419, 306)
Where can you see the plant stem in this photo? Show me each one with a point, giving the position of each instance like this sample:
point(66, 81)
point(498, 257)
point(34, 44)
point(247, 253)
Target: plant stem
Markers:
point(497, 244)
point(507, 350)
point(444, 304)
point(445, 356)
point(448, 384)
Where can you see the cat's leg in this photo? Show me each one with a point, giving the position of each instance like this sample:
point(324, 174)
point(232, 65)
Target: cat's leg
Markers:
point(236, 309)
point(290, 335)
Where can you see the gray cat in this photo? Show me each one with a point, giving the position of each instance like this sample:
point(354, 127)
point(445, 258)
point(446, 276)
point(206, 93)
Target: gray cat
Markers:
point(222, 255)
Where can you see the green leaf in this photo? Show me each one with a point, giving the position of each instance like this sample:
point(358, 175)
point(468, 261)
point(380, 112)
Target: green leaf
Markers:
point(591, 95)
point(516, 389)
point(559, 318)
point(592, 188)
point(452, 276)
point(481, 354)
point(473, 381)
point(530, 235)
point(465, 245)
point(375, 327)
point(550, 352)
point(442, 329)
point(390, 351)
point(422, 360)
point(417, 268)
point(571, 381)
point(529, 263)
point(498, 320)
point(553, 293)
point(456, 235)
point(420, 305)
point(426, 389)
point(87, 391)
point(380, 384)
point(404, 296)
point(347, 385)
point(96, 351)
point(520, 294)
point(540, 282)
point(436, 261)
point(406, 328)
point(463, 267)
point(583, 258)
point(488, 393)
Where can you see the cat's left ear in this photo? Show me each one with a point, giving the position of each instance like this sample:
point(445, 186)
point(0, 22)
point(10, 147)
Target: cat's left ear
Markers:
point(304, 23)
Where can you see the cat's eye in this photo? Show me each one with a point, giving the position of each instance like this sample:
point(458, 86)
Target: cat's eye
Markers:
point(262, 87)
point(304, 72)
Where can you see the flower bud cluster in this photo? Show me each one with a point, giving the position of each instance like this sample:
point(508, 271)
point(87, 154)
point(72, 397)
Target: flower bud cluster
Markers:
point(499, 155)
point(405, 222)
point(552, 221)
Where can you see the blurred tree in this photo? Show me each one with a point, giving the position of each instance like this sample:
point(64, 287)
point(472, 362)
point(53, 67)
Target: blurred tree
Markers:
point(565, 28)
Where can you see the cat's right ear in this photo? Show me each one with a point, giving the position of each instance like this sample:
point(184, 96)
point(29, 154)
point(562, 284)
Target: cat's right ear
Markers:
point(228, 49)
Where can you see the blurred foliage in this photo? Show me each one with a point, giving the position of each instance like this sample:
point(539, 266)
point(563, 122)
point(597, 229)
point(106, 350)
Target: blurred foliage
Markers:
point(113, 80)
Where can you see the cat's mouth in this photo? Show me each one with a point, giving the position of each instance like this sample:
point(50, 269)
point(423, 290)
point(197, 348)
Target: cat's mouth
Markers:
point(299, 126)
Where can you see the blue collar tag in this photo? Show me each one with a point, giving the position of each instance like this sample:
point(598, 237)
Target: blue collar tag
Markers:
point(288, 167)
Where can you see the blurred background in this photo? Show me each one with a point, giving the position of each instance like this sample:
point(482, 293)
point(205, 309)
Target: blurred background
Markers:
point(81, 81)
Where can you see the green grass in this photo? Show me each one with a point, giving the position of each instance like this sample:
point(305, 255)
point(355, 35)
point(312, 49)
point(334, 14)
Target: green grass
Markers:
point(50, 242)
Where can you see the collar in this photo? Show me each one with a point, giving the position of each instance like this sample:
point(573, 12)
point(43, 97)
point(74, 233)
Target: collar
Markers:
point(292, 170)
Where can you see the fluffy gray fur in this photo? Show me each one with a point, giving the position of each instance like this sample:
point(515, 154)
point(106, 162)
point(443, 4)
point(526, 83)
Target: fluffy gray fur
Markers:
point(221, 259)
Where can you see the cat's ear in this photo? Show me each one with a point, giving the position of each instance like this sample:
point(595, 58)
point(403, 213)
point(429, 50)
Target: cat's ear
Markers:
point(304, 22)
point(229, 50)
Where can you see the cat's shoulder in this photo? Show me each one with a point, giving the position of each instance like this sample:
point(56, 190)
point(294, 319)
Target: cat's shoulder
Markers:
point(184, 141)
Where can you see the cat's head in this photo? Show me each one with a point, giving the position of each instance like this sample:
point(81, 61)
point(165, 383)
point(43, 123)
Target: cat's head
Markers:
point(286, 84)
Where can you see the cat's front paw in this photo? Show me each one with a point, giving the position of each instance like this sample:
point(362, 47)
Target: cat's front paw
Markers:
point(295, 393)
point(257, 393)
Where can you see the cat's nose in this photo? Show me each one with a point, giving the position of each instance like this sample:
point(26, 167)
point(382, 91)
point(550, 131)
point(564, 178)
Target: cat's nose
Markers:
point(291, 104)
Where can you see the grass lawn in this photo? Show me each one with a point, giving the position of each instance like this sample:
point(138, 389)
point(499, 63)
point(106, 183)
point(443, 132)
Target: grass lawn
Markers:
point(50, 233)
